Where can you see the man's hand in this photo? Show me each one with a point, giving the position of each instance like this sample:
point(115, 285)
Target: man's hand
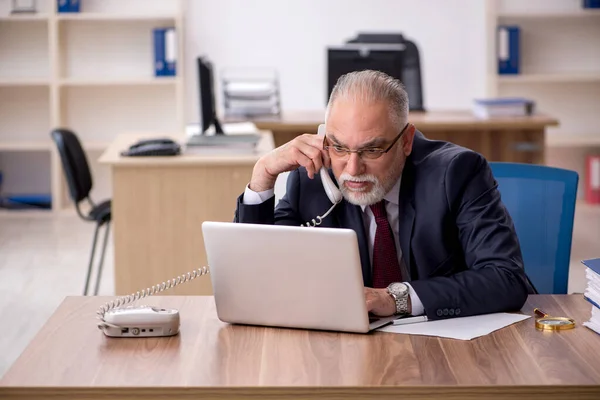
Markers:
point(381, 303)
point(305, 150)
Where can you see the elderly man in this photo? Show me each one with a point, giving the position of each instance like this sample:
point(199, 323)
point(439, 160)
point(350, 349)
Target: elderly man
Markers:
point(434, 236)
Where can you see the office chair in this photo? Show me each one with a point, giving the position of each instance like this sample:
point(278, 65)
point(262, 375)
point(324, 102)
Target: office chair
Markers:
point(541, 201)
point(79, 180)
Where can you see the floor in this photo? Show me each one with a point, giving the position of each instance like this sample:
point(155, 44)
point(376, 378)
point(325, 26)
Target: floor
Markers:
point(43, 258)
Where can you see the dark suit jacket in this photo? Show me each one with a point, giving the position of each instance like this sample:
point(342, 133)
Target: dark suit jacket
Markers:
point(458, 240)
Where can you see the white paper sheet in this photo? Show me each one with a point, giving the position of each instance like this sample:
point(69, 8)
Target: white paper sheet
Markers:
point(462, 328)
point(594, 322)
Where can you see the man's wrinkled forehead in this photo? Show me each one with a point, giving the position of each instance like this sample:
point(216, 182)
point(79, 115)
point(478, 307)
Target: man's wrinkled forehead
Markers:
point(358, 124)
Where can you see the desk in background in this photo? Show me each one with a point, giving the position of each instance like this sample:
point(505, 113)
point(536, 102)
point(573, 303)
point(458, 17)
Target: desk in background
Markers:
point(209, 359)
point(159, 204)
point(498, 139)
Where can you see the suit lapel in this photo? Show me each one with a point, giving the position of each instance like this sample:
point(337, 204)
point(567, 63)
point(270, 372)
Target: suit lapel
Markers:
point(350, 216)
point(407, 214)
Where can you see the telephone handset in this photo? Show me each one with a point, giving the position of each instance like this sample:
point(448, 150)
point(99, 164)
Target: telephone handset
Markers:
point(333, 193)
point(148, 321)
point(153, 147)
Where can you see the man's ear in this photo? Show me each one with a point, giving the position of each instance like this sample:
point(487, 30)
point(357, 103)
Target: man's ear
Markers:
point(407, 140)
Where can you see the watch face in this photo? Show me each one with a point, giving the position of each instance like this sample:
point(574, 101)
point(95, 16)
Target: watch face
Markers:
point(398, 287)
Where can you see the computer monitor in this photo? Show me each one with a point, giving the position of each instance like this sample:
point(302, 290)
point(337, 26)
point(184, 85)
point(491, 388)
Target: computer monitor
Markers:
point(387, 52)
point(206, 91)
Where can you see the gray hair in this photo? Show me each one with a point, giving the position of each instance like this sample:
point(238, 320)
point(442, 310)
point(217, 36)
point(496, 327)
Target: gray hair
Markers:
point(372, 86)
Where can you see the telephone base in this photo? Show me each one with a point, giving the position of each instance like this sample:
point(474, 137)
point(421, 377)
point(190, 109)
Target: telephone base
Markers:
point(143, 321)
point(136, 332)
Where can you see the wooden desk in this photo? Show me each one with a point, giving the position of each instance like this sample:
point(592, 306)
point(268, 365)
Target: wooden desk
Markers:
point(159, 204)
point(498, 139)
point(209, 359)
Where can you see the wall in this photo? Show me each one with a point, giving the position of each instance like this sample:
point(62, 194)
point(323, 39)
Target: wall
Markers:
point(292, 37)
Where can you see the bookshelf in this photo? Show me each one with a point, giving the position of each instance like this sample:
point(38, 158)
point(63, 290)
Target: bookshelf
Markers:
point(164, 81)
point(562, 77)
point(560, 63)
point(116, 17)
point(91, 72)
point(25, 17)
point(538, 13)
point(560, 71)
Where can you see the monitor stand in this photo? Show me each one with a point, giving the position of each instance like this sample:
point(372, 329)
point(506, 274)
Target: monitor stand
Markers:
point(218, 127)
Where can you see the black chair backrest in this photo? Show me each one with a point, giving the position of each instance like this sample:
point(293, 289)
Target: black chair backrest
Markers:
point(75, 164)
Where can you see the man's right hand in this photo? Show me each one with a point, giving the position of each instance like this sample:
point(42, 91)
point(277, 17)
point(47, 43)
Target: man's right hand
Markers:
point(305, 150)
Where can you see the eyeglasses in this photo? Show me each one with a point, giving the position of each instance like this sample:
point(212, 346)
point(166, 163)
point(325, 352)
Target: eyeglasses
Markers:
point(371, 153)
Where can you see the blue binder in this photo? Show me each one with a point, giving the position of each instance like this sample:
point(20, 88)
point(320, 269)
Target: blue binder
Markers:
point(63, 6)
point(508, 48)
point(68, 6)
point(159, 52)
point(165, 52)
point(170, 52)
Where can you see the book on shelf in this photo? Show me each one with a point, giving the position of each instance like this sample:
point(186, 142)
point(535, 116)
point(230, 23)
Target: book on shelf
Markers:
point(592, 292)
point(508, 48)
point(165, 51)
point(503, 107)
point(591, 3)
point(68, 6)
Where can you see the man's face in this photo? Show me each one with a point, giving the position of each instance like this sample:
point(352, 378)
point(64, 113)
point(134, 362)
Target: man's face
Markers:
point(362, 126)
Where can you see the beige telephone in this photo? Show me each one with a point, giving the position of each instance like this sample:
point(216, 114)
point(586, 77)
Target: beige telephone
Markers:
point(148, 321)
point(143, 321)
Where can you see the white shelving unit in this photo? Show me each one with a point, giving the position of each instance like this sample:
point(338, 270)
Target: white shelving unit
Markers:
point(560, 71)
point(557, 11)
point(563, 77)
point(560, 63)
point(91, 72)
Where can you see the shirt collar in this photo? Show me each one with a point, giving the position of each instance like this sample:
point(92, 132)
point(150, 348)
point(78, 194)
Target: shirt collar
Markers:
point(393, 195)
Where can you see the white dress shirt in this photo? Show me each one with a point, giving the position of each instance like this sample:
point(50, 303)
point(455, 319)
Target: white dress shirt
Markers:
point(252, 198)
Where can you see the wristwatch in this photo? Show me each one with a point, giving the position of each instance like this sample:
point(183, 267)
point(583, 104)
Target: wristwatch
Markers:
point(399, 291)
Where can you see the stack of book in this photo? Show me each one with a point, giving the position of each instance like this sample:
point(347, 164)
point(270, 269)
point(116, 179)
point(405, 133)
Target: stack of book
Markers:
point(503, 107)
point(592, 292)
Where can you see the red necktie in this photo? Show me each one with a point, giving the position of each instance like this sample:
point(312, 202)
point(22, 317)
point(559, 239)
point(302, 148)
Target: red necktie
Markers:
point(385, 259)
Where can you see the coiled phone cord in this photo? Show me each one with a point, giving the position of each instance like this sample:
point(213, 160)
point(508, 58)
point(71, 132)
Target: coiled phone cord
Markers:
point(319, 219)
point(121, 301)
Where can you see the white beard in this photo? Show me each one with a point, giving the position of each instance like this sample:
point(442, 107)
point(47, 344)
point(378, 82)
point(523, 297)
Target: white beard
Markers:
point(378, 191)
point(358, 196)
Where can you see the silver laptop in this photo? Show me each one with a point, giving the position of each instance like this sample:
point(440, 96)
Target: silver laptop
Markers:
point(285, 276)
